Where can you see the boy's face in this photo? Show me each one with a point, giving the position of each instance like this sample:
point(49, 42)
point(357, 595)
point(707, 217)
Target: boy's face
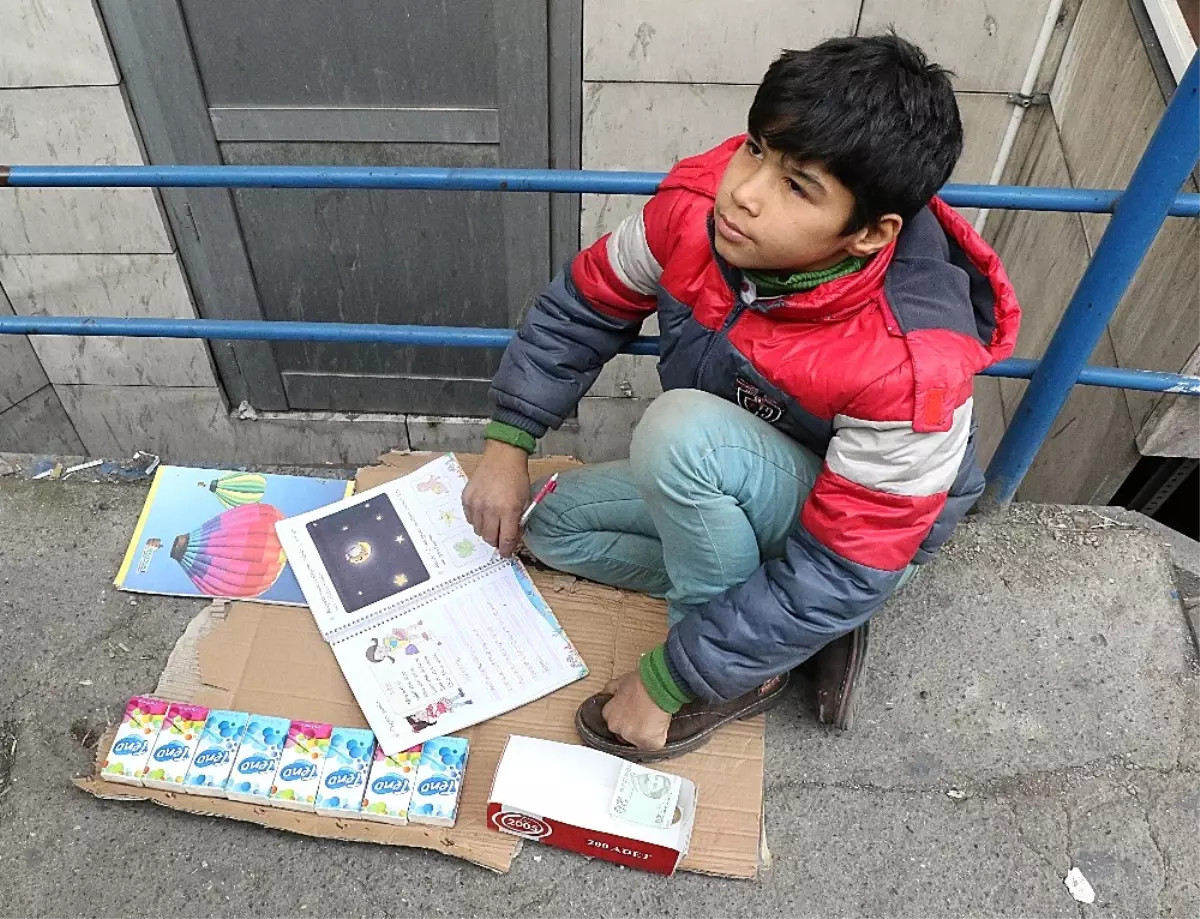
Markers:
point(775, 214)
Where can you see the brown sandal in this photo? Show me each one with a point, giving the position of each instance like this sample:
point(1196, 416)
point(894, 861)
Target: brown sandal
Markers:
point(836, 672)
point(691, 727)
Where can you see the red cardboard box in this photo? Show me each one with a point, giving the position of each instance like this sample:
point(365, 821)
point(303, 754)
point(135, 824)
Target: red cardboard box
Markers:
point(561, 794)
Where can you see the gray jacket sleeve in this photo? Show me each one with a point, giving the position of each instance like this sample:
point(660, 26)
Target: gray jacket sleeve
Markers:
point(776, 620)
point(555, 357)
point(881, 490)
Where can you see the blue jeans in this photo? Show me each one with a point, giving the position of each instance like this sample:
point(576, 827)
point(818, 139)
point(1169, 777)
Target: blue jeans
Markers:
point(709, 493)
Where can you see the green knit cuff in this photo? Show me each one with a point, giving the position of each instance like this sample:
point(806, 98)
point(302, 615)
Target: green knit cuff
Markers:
point(656, 677)
point(507, 434)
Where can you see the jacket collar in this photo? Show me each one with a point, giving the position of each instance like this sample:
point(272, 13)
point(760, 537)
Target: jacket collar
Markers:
point(828, 302)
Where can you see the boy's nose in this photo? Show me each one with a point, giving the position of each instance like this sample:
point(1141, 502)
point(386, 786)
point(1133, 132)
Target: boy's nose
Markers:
point(748, 197)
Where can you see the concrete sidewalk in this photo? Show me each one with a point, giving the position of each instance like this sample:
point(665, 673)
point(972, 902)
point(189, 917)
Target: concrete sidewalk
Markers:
point(1032, 705)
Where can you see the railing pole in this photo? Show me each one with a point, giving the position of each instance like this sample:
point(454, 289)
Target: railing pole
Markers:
point(1019, 197)
point(1140, 212)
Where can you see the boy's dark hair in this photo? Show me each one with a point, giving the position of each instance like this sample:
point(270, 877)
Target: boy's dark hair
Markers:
point(873, 111)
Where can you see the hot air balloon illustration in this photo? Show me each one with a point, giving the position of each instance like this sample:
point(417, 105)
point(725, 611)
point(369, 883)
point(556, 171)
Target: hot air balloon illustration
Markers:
point(235, 554)
point(237, 488)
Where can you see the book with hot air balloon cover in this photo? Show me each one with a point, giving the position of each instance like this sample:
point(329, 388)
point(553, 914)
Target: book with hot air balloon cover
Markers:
point(211, 533)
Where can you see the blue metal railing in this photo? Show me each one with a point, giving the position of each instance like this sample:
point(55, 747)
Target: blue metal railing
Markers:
point(458, 337)
point(1138, 213)
point(1143, 206)
point(587, 181)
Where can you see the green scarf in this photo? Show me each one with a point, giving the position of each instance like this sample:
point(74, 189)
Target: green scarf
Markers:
point(770, 284)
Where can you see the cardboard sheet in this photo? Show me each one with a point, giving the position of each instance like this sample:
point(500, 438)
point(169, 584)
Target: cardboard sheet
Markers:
point(272, 660)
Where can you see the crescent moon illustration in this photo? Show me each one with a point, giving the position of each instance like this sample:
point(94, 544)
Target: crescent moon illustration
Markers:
point(359, 552)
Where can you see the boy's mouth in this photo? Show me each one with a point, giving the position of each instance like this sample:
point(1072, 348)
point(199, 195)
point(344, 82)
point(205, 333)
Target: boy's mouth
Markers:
point(730, 231)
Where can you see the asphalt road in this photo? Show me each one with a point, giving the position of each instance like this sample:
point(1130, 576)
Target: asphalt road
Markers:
point(1041, 671)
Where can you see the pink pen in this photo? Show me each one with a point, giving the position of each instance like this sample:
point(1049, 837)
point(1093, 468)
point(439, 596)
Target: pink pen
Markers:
point(548, 488)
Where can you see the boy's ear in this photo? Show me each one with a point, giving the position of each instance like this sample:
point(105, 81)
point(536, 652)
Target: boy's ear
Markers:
point(871, 239)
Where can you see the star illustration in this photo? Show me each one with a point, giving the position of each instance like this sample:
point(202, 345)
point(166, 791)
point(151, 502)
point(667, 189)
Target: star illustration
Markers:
point(400, 580)
point(399, 540)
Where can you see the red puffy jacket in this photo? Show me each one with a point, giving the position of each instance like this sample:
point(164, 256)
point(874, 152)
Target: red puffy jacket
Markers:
point(872, 371)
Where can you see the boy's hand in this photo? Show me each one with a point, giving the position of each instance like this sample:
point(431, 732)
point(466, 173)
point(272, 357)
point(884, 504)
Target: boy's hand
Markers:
point(497, 495)
point(632, 715)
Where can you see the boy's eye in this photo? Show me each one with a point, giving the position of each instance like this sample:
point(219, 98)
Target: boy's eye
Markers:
point(755, 149)
point(796, 188)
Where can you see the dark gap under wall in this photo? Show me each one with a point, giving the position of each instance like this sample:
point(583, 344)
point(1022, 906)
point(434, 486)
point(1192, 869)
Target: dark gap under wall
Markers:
point(1166, 489)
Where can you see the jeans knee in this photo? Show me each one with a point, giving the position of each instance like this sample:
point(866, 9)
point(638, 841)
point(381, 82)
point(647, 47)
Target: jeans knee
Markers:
point(539, 542)
point(671, 434)
point(544, 530)
point(541, 539)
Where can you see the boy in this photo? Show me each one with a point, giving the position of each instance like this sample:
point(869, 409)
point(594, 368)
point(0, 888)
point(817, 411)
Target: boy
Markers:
point(821, 316)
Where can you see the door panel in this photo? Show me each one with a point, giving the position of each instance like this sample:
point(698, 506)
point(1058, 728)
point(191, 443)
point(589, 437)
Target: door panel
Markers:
point(348, 53)
point(405, 257)
point(358, 82)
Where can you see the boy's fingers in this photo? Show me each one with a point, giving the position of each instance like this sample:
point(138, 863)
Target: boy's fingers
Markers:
point(488, 529)
point(509, 534)
point(478, 524)
point(471, 512)
point(614, 722)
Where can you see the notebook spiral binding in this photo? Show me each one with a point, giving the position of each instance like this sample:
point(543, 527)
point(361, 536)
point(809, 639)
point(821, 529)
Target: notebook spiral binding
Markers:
point(356, 627)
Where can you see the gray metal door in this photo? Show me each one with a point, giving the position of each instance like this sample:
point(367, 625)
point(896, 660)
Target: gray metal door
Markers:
point(357, 82)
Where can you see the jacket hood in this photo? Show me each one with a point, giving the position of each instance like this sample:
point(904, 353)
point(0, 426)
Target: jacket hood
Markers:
point(939, 275)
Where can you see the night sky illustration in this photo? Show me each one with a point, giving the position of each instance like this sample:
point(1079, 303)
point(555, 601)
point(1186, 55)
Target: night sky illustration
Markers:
point(368, 553)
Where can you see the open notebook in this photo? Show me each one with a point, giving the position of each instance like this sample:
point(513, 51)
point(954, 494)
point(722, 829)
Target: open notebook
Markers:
point(433, 630)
